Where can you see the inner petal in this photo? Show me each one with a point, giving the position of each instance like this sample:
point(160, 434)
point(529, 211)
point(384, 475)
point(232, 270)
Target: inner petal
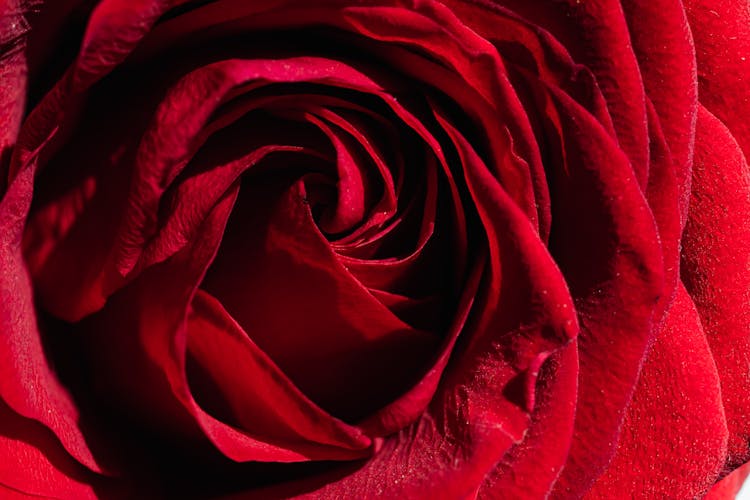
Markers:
point(279, 278)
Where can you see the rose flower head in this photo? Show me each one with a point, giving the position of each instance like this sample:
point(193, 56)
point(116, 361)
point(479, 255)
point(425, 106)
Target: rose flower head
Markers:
point(374, 248)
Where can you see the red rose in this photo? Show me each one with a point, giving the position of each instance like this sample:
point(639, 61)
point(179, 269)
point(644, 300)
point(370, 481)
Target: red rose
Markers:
point(395, 248)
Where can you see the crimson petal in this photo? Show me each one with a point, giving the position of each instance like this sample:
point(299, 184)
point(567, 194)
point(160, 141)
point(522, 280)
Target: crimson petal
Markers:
point(716, 246)
point(674, 437)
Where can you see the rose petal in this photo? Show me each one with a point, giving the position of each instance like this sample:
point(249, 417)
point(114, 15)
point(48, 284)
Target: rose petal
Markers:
point(530, 469)
point(260, 395)
point(280, 279)
point(667, 64)
point(475, 417)
point(664, 197)
point(28, 384)
point(13, 28)
point(480, 84)
point(674, 437)
point(147, 337)
point(527, 47)
point(596, 35)
point(715, 268)
point(114, 29)
point(604, 239)
point(34, 463)
point(727, 488)
point(721, 29)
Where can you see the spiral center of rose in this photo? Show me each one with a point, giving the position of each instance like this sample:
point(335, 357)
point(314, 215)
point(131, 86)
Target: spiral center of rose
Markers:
point(336, 260)
point(344, 255)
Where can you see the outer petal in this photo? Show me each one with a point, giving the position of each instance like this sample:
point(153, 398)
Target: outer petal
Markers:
point(667, 63)
point(27, 383)
point(674, 436)
point(596, 35)
point(727, 488)
point(716, 268)
point(604, 238)
point(31, 389)
point(721, 29)
point(33, 462)
point(115, 28)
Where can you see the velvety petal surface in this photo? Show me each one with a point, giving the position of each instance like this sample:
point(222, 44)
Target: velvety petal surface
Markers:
point(605, 208)
point(722, 43)
point(673, 442)
point(716, 271)
point(666, 59)
point(440, 253)
point(728, 487)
